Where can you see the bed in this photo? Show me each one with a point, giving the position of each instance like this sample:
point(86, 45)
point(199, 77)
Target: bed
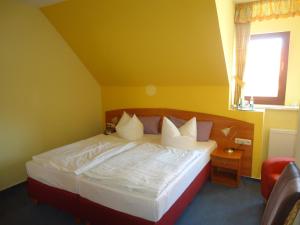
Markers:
point(53, 181)
point(92, 201)
point(141, 203)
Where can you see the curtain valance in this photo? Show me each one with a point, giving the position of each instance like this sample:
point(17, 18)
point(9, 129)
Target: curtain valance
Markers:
point(266, 9)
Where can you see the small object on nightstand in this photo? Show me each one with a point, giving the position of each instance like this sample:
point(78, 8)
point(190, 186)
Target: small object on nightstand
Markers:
point(251, 103)
point(229, 150)
point(226, 167)
point(110, 128)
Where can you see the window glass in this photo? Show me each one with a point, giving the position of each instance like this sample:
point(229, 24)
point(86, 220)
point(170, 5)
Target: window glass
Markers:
point(266, 68)
point(263, 67)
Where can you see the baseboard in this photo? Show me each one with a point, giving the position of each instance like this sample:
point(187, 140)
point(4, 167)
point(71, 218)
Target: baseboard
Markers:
point(252, 178)
point(14, 184)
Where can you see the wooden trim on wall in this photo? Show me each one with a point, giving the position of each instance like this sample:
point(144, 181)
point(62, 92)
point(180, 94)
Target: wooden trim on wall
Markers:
point(239, 129)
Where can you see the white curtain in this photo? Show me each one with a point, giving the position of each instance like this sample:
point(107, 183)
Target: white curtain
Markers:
point(242, 40)
point(297, 146)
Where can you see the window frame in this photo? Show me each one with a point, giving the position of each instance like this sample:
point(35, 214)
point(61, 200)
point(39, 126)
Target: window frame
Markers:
point(280, 99)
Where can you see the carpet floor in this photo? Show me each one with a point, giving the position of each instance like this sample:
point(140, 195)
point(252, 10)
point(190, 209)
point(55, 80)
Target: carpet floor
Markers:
point(213, 205)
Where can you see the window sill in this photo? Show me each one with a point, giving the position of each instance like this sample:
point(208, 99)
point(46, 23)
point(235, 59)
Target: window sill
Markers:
point(246, 109)
point(263, 108)
point(277, 107)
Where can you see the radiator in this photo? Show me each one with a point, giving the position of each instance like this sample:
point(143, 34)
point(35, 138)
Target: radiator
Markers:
point(281, 143)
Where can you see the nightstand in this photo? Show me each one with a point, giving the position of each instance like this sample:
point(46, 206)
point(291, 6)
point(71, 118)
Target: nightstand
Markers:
point(226, 167)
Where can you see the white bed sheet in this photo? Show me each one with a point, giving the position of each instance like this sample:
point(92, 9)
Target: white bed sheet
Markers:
point(80, 156)
point(137, 204)
point(147, 168)
point(45, 173)
point(41, 169)
point(53, 177)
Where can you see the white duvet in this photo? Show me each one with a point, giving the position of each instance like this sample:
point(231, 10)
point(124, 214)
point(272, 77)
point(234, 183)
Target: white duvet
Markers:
point(83, 155)
point(147, 168)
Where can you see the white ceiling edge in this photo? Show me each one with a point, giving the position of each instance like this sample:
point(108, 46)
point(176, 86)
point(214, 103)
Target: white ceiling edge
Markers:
point(42, 3)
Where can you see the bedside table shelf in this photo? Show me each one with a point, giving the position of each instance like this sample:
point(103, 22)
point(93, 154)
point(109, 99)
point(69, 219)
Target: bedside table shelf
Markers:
point(226, 167)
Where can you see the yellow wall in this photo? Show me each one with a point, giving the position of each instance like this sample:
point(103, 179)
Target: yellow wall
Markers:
point(297, 144)
point(226, 10)
point(139, 42)
point(293, 25)
point(207, 99)
point(211, 99)
point(47, 97)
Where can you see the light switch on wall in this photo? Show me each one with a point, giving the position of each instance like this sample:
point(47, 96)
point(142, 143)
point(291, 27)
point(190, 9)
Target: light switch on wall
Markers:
point(242, 141)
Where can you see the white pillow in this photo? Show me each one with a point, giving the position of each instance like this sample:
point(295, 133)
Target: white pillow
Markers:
point(185, 137)
point(189, 129)
point(130, 128)
point(124, 119)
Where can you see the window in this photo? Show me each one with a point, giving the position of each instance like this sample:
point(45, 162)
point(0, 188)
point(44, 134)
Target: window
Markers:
point(266, 68)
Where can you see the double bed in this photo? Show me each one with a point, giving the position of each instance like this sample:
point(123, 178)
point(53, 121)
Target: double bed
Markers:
point(97, 186)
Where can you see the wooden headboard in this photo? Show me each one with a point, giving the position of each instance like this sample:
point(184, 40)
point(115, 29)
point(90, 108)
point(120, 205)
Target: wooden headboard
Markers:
point(239, 129)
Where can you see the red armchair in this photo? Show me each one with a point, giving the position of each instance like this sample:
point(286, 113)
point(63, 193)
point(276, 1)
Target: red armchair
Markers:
point(270, 172)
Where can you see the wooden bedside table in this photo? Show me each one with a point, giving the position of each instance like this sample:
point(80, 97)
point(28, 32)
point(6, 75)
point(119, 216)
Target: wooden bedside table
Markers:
point(226, 167)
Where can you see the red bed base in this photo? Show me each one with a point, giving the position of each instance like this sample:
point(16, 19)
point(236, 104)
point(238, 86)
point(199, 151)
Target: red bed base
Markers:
point(97, 214)
point(64, 200)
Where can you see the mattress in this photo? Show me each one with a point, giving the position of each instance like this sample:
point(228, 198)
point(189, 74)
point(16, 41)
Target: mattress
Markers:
point(53, 177)
point(137, 204)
